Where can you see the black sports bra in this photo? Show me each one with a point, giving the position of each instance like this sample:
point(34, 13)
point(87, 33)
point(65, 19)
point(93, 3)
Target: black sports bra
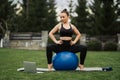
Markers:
point(66, 32)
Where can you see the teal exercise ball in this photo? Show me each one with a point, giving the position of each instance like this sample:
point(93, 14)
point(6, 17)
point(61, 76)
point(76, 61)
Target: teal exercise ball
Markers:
point(65, 61)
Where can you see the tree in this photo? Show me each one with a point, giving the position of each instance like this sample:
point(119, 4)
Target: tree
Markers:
point(18, 20)
point(81, 20)
point(96, 17)
point(110, 17)
point(118, 19)
point(37, 15)
point(5, 15)
point(118, 7)
point(104, 17)
point(51, 19)
point(71, 7)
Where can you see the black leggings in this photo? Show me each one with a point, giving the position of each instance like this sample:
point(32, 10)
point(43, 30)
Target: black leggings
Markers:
point(66, 47)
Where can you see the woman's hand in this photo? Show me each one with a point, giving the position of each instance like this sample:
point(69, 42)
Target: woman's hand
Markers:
point(72, 42)
point(59, 42)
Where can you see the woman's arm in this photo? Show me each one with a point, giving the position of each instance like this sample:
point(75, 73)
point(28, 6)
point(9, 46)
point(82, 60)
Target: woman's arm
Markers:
point(51, 34)
point(77, 38)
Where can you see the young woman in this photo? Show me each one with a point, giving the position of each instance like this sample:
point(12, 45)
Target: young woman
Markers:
point(65, 42)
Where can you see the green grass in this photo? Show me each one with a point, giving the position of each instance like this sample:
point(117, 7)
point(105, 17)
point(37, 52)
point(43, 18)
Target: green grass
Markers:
point(12, 59)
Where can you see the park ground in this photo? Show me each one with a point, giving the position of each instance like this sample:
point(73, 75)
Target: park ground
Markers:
point(12, 59)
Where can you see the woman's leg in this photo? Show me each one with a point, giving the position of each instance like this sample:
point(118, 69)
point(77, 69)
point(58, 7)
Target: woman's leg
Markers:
point(49, 52)
point(83, 51)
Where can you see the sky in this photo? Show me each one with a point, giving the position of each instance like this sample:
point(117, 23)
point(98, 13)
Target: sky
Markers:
point(62, 4)
point(15, 1)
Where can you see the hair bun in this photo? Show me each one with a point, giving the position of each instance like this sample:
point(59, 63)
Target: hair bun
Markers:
point(65, 10)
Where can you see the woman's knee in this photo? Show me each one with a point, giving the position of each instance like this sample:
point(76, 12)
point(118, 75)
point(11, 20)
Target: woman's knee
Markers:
point(84, 48)
point(49, 46)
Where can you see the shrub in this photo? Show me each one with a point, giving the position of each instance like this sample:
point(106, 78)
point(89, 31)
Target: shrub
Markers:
point(110, 46)
point(94, 45)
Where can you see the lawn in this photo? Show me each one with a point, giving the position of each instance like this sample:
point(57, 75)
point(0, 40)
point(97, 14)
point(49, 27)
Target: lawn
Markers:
point(12, 59)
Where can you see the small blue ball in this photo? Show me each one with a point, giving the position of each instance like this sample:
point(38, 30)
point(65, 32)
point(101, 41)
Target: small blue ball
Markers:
point(65, 61)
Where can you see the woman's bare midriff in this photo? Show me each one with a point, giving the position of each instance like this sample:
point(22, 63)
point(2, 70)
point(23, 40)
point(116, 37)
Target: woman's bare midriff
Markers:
point(66, 38)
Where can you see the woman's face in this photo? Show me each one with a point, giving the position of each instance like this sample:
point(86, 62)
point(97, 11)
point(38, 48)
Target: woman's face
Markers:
point(64, 17)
